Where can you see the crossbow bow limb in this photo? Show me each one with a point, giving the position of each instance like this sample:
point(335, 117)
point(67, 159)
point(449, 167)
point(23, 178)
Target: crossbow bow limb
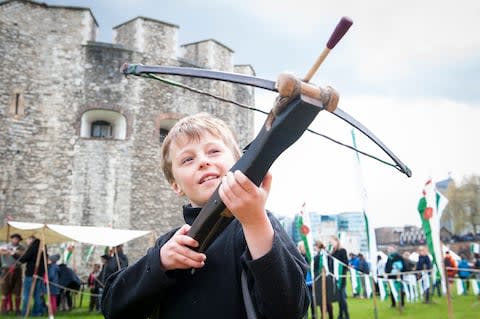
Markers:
point(297, 105)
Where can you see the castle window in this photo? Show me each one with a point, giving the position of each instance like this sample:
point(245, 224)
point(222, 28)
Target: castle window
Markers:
point(165, 127)
point(101, 129)
point(163, 134)
point(103, 124)
point(16, 103)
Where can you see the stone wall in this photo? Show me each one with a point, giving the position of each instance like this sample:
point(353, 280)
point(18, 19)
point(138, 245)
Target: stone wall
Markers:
point(53, 73)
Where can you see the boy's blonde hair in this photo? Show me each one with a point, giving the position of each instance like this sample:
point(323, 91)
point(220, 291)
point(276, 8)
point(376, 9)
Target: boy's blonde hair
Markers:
point(193, 127)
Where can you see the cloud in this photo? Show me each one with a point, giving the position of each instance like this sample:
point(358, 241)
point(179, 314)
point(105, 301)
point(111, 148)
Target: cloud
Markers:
point(386, 37)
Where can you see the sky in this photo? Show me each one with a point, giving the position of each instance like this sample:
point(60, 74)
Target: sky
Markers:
point(407, 70)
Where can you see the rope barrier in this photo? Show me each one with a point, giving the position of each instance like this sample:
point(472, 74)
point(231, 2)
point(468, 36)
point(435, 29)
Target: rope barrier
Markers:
point(68, 289)
point(413, 272)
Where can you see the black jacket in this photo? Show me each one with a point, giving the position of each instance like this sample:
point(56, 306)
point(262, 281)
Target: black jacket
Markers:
point(276, 281)
point(30, 258)
point(424, 263)
point(68, 278)
point(113, 265)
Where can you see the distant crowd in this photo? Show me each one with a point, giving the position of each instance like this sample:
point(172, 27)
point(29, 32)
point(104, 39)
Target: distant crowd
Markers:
point(24, 277)
point(404, 276)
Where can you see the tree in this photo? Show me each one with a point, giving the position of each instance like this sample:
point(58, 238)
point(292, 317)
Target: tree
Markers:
point(463, 207)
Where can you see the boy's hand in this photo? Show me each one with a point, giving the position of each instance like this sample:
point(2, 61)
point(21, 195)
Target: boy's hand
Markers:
point(246, 201)
point(243, 198)
point(177, 254)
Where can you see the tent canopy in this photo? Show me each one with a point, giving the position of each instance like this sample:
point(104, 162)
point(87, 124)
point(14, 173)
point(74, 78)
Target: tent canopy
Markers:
point(55, 234)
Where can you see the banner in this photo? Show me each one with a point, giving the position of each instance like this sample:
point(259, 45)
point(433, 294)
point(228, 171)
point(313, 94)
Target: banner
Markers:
point(430, 208)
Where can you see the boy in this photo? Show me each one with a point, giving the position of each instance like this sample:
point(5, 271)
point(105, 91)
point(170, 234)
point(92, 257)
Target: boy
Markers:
point(196, 156)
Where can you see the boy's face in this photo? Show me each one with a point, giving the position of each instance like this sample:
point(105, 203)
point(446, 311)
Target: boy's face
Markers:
point(199, 165)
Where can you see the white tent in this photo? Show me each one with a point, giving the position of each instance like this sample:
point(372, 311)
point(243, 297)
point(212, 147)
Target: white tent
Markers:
point(55, 234)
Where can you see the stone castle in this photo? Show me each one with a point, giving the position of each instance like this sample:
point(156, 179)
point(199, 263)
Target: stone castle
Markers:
point(79, 141)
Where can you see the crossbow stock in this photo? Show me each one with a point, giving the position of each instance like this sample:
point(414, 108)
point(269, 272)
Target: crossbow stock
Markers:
point(297, 105)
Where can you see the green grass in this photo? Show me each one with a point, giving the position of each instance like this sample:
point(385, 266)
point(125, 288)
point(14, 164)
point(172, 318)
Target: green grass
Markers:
point(464, 307)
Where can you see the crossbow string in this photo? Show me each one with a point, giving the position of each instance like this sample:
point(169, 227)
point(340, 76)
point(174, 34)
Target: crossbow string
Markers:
point(251, 108)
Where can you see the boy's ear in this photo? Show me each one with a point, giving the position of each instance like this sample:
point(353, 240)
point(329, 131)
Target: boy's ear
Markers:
point(177, 189)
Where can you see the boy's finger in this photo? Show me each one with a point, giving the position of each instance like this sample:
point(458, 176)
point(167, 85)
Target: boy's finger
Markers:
point(246, 184)
point(183, 230)
point(184, 240)
point(267, 182)
point(232, 185)
point(188, 253)
point(190, 259)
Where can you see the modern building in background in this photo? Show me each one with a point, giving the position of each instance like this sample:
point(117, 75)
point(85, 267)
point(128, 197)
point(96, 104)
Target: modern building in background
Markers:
point(349, 227)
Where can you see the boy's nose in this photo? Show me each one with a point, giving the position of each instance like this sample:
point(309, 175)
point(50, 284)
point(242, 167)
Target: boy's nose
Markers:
point(204, 161)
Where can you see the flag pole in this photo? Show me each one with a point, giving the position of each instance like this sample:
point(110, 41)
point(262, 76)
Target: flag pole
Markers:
point(449, 293)
point(314, 293)
point(400, 306)
point(304, 228)
point(371, 240)
point(324, 293)
point(374, 293)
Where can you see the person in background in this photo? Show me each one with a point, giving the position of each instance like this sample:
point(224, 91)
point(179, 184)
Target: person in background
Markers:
point(364, 268)
point(101, 277)
point(11, 274)
point(29, 258)
point(464, 272)
point(476, 264)
point(308, 279)
point(380, 272)
point(329, 280)
point(94, 288)
point(70, 283)
point(340, 253)
point(354, 262)
point(424, 264)
point(53, 278)
point(451, 267)
point(116, 262)
point(394, 267)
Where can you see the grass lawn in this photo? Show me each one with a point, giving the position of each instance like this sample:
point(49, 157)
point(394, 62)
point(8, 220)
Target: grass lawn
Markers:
point(464, 307)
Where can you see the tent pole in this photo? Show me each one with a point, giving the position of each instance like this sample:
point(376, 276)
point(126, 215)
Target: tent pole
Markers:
point(8, 232)
point(47, 280)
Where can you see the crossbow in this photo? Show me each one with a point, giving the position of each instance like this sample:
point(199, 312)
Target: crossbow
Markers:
point(296, 106)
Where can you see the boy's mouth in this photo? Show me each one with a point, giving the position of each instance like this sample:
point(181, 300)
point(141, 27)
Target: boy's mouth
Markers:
point(207, 178)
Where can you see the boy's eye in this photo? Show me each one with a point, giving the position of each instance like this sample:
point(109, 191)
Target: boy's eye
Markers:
point(214, 150)
point(187, 159)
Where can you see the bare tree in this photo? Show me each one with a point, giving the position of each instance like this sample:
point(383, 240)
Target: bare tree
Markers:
point(464, 205)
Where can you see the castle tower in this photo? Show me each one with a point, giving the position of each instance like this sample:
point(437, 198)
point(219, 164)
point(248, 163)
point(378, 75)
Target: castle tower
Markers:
point(79, 142)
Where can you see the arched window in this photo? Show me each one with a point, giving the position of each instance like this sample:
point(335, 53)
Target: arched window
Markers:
point(103, 124)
